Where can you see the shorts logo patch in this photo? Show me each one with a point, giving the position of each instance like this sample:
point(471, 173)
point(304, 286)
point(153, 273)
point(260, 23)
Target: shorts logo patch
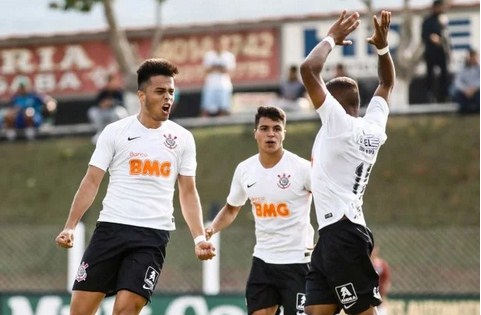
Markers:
point(346, 295)
point(376, 294)
point(300, 302)
point(82, 272)
point(150, 279)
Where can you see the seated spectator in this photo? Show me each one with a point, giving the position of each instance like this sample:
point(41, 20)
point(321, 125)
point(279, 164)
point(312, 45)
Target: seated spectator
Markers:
point(26, 111)
point(291, 90)
point(465, 90)
point(109, 106)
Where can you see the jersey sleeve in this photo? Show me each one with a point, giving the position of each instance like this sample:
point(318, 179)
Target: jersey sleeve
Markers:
point(237, 196)
point(377, 112)
point(306, 173)
point(333, 116)
point(104, 149)
point(188, 162)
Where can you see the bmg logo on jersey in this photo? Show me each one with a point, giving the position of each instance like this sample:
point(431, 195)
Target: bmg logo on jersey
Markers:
point(149, 167)
point(271, 210)
point(346, 295)
point(150, 279)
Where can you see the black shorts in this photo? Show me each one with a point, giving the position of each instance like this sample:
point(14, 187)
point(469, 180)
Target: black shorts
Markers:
point(341, 271)
point(275, 284)
point(122, 257)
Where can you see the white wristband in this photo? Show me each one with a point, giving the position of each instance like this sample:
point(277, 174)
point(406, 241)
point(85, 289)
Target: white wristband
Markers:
point(329, 40)
point(383, 51)
point(199, 239)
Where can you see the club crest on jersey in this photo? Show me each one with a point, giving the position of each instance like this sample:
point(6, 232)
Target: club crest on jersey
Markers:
point(284, 181)
point(82, 272)
point(170, 141)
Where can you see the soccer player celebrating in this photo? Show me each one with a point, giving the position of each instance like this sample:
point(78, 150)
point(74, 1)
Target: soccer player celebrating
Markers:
point(146, 154)
point(341, 273)
point(277, 183)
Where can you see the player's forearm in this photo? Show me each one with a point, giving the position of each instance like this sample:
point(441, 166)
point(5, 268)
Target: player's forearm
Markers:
point(224, 218)
point(386, 71)
point(82, 201)
point(315, 61)
point(192, 212)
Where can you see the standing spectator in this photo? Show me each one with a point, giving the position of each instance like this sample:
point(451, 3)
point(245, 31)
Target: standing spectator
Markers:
point(146, 155)
point(466, 85)
point(26, 111)
point(341, 273)
point(384, 271)
point(108, 107)
point(435, 37)
point(217, 91)
point(277, 184)
point(291, 90)
point(340, 71)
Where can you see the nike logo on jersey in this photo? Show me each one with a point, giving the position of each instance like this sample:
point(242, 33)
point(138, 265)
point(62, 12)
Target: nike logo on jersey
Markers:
point(249, 186)
point(132, 138)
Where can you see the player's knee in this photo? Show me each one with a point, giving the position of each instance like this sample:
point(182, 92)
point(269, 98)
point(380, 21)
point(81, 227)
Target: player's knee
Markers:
point(128, 303)
point(127, 309)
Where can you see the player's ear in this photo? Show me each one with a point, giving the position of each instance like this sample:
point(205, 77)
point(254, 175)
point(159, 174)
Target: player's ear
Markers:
point(141, 96)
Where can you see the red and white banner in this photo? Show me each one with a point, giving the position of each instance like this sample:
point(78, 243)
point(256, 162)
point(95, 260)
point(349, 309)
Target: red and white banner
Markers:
point(79, 68)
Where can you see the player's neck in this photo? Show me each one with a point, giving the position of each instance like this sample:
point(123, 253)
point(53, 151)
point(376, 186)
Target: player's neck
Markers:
point(148, 122)
point(270, 159)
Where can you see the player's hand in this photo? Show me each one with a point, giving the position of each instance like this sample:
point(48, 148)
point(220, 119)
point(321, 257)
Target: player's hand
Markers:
point(208, 233)
point(343, 27)
point(205, 250)
point(381, 30)
point(65, 238)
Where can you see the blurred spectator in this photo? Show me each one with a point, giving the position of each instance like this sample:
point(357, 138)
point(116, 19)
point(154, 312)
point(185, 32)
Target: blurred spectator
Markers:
point(291, 90)
point(109, 106)
point(435, 37)
point(365, 91)
point(26, 111)
point(340, 71)
point(217, 90)
point(384, 271)
point(466, 84)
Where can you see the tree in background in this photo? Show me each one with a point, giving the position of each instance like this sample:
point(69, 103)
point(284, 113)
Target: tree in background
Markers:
point(126, 57)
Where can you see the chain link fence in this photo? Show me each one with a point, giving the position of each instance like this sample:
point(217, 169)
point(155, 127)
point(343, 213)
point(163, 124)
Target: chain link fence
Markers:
point(423, 261)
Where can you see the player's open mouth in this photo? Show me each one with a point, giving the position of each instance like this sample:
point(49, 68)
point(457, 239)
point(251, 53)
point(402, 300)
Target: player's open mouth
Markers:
point(166, 108)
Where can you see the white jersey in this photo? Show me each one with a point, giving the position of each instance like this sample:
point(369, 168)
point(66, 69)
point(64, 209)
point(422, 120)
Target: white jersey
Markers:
point(281, 201)
point(343, 154)
point(143, 164)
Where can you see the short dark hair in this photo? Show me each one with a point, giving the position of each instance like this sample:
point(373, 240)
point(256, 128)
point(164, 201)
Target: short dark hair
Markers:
point(272, 112)
point(437, 3)
point(152, 67)
point(345, 91)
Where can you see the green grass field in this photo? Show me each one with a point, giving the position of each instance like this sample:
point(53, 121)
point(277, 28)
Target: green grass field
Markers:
point(427, 173)
point(422, 204)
